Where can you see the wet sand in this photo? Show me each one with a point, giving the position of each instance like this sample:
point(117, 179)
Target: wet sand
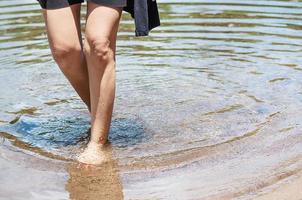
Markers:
point(28, 175)
point(289, 189)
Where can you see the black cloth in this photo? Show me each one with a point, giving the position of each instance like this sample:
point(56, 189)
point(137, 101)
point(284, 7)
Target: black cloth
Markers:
point(145, 14)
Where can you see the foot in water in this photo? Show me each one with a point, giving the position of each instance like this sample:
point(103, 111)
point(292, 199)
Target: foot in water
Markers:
point(94, 154)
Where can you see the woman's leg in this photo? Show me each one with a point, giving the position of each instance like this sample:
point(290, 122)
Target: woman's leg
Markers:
point(99, 47)
point(65, 41)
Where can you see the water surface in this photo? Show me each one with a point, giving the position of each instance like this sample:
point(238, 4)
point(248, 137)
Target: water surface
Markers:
point(207, 106)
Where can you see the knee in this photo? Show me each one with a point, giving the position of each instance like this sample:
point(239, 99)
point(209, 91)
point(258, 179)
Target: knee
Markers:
point(99, 47)
point(61, 51)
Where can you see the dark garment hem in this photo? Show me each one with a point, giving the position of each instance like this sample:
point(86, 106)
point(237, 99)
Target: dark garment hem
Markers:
point(120, 3)
point(141, 33)
point(57, 4)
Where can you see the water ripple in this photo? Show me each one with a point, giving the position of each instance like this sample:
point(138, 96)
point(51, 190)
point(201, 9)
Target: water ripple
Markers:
point(216, 86)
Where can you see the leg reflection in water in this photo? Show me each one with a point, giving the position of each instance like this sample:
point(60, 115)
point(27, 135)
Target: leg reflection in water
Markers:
point(91, 182)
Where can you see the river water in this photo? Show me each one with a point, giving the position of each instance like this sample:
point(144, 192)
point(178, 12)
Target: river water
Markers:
point(208, 106)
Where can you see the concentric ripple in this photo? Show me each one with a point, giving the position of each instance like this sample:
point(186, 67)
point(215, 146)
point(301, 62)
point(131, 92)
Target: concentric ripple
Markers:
point(212, 97)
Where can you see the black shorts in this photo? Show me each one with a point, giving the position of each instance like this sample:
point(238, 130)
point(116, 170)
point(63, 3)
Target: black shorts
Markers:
point(53, 4)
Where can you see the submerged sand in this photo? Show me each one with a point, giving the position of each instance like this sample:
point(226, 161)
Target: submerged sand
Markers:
point(27, 175)
point(289, 189)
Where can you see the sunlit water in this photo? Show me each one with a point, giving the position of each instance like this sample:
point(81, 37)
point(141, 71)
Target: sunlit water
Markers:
point(208, 106)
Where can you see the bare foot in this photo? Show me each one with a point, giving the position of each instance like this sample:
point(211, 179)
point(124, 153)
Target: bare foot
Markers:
point(94, 154)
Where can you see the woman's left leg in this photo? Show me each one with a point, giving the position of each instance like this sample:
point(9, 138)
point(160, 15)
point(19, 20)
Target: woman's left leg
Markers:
point(99, 47)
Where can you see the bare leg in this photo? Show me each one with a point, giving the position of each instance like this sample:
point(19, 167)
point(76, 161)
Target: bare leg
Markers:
point(64, 36)
point(99, 48)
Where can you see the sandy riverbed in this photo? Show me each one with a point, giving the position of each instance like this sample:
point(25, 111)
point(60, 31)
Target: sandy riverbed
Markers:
point(27, 175)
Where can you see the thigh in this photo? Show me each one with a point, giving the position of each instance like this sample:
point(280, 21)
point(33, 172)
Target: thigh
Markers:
point(102, 22)
point(63, 26)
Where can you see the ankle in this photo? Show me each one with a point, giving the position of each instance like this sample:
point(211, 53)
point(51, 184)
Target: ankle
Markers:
point(102, 141)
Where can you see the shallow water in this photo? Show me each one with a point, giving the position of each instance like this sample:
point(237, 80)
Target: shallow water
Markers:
point(208, 106)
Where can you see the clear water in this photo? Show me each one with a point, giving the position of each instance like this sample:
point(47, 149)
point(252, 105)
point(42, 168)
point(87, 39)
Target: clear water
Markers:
point(208, 106)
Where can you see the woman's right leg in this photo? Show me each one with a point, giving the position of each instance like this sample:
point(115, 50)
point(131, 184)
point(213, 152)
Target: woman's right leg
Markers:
point(65, 41)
